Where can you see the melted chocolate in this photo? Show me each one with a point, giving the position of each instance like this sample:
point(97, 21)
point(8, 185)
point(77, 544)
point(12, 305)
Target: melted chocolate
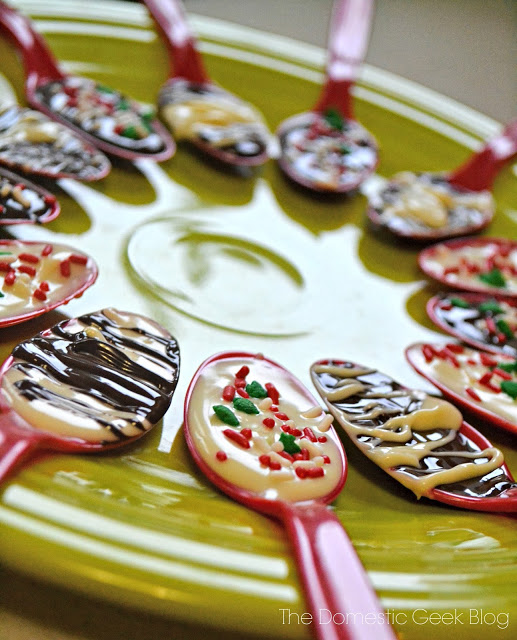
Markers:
point(490, 485)
point(470, 323)
point(20, 202)
point(66, 154)
point(100, 369)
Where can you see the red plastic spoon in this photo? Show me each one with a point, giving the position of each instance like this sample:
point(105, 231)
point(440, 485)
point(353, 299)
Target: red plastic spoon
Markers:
point(258, 434)
point(419, 440)
point(22, 201)
point(86, 385)
point(326, 149)
point(104, 117)
point(432, 206)
point(214, 120)
point(37, 277)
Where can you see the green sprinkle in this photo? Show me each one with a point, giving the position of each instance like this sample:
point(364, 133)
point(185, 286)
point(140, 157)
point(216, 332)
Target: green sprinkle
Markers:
point(504, 327)
point(123, 105)
point(509, 367)
point(245, 405)
point(147, 116)
point(345, 150)
point(103, 89)
point(509, 387)
point(130, 132)
point(290, 445)
point(493, 278)
point(334, 119)
point(490, 305)
point(2, 295)
point(256, 390)
point(226, 415)
point(459, 302)
point(5, 253)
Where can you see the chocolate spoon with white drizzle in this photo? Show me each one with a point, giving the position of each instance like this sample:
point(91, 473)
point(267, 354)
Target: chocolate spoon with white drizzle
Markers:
point(88, 384)
point(107, 119)
point(22, 201)
point(419, 440)
point(216, 121)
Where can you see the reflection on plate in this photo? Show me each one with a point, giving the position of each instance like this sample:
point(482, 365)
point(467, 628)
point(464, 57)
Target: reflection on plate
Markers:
point(142, 527)
point(221, 278)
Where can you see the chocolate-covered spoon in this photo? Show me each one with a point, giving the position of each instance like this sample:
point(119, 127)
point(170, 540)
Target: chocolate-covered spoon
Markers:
point(419, 440)
point(22, 201)
point(326, 149)
point(217, 122)
point(258, 434)
point(432, 206)
point(86, 385)
point(106, 118)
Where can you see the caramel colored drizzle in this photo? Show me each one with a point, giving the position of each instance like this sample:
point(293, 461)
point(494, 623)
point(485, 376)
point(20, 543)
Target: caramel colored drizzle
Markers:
point(398, 435)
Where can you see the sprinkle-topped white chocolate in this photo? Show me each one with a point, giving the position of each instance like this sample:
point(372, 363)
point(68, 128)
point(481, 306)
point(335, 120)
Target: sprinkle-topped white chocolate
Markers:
point(486, 380)
point(35, 276)
point(279, 450)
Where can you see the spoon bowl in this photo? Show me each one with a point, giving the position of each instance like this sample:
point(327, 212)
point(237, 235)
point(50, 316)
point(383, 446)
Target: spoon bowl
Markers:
point(258, 434)
point(86, 385)
point(216, 121)
point(104, 117)
point(432, 206)
point(326, 149)
point(22, 202)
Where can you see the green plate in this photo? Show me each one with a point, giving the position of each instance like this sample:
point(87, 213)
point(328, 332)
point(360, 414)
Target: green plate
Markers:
point(250, 262)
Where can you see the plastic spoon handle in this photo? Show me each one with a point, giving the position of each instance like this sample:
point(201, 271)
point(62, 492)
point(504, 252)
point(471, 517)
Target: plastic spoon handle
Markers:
point(335, 582)
point(480, 171)
point(185, 59)
point(15, 445)
point(39, 63)
point(348, 41)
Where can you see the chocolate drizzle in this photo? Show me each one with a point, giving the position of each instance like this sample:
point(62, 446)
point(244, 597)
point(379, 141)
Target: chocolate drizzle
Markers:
point(392, 400)
point(122, 376)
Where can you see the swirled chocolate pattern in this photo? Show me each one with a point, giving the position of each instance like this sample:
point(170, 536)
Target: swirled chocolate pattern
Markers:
point(102, 377)
point(414, 437)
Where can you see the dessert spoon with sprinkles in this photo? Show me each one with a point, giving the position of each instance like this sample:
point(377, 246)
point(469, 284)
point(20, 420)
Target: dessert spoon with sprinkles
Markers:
point(23, 202)
point(259, 435)
point(431, 206)
point(216, 121)
point(88, 384)
point(106, 118)
point(326, 149)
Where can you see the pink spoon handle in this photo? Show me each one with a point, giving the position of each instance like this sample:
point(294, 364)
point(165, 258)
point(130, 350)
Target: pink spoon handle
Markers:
point(348, 40)
point(342, 601)
point(16, 445)
point(185, 59)
point(480, 171)
point(40, 65)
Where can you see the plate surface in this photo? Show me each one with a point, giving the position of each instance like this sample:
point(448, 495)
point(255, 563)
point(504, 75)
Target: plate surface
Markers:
point(143, 528)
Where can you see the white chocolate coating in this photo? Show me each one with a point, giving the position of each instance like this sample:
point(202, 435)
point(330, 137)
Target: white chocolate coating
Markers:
point(242, 466)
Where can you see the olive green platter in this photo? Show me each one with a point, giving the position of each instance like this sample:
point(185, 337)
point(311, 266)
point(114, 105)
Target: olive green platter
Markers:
point(250, 262)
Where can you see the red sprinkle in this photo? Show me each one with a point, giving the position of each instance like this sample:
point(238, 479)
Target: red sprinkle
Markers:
point(296, 432)
point(268, 422)
point(247, 433)
point(281, 416)
point(40, 295)
point(455, 348)
point(29, 257)
point(265, 460)
point(310, 434)
point(490, 325)
point(242, 372)
point(301, 472)
point(472, 394)
point(75, 258)
point(25, 268)
point(50, 200)
point(243, 393)
point(297, 456)
point(10, 278)
point(64, 268)
point(237, 437)
point(221, 456)
point(273, 408)
point(228, 393)
point(471, 361)
point(47, 250)
point(503, 374)
point(286, 455)
point(315, 472)
point(487, 361)
point(450, 270)
point(5, 266)
point(485, 381)
point(44, 286)
point(275, 466)
point(326, 459)
point(272, 392)
point(240, 383)
point(322, 439)
point(305, 454)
